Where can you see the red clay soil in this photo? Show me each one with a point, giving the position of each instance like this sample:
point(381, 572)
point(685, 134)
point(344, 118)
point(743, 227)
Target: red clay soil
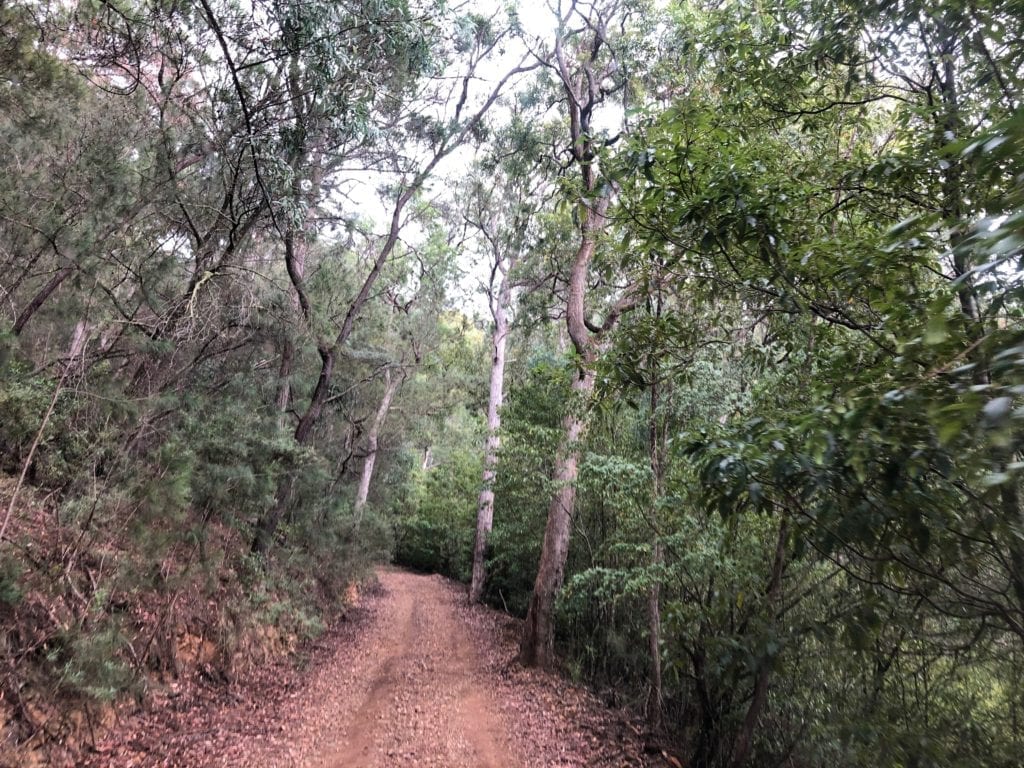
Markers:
point(414, 677)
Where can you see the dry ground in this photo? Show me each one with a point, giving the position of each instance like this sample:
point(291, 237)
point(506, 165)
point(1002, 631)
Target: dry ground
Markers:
point(415, 677)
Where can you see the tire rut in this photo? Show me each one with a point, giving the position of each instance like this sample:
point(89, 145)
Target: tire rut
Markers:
point(417, 678)
point(425, 703)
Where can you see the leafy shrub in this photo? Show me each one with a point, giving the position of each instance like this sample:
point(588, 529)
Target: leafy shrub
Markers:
point(10, 582)
point(438, 536)
point(92, 662)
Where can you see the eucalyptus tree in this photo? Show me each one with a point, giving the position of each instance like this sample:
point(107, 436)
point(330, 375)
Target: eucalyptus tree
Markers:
point(460, 117)
point(590, 63)
point(414, 309)
point(506, 192)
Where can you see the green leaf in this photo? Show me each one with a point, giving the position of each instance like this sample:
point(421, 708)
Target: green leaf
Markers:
point(936, 331)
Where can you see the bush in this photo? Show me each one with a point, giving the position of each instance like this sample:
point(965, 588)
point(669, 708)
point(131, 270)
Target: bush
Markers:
point(92, 664)
point(438, 535)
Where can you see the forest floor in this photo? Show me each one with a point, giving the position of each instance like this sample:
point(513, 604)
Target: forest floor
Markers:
point(413, 677)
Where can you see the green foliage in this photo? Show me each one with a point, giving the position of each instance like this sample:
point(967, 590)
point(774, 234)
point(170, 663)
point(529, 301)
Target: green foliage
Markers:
point(530, 434)
point(93, 663)
point(11, 579)
point(806, 434)
point(23, 401)
point(839, 206)
point(239, 455)
point(436, 534)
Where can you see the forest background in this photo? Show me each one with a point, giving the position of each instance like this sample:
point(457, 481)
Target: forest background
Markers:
point(735, 425)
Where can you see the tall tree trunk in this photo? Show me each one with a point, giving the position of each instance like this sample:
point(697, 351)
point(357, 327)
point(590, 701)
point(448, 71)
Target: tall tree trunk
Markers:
point(296, 251)
point(391, 384)
point(284, 379)
point(485, 505)
point(654, 693)
point(537, 647)
point(266, 526)
point(656, 448)
point(744, 742)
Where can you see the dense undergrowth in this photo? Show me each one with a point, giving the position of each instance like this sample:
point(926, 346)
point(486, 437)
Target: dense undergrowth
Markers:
point(848, 684)
point(127, 561)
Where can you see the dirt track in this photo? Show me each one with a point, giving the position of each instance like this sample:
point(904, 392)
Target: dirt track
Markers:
point(425, 702)
point(416, 678)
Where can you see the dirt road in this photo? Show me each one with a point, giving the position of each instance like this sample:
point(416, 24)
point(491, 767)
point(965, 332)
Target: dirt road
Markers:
point(426, 700)
point(416, 678)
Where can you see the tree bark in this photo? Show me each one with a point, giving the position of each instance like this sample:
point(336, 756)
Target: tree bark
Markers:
point(537, 647)
point(485, 505)
point(296, 251)
point(267, 527)
point(745, 737)
point(79, 338)
point(583, 94)
point(656, 447)
point(391, 384)
point(40, 298)
point(654, 693)
point(284, 379)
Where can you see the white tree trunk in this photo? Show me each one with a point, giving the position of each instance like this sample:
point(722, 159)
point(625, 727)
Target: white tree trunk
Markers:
point(537, 645)
point(296, 250)
point(391, 384)
point(485, 506)
point(80, 337)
